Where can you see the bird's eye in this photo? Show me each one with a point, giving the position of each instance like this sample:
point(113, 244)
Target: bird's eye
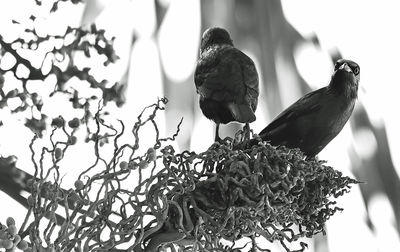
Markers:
point(337, 65)
point(356, 70)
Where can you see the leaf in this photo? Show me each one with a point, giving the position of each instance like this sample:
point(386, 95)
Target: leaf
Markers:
point(55, 7)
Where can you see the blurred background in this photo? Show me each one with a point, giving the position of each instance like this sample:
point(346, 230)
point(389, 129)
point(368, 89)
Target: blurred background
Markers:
point(294, 45)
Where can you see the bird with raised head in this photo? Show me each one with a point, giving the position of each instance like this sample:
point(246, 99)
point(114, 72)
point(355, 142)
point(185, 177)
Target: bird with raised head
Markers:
point(315, 119)
point(226, 80)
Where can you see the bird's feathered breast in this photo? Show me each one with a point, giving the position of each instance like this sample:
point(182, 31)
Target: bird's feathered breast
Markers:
point(344, 84)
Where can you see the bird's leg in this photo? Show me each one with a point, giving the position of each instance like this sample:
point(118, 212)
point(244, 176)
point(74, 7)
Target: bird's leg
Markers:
point(217, 138)
point(246, 130)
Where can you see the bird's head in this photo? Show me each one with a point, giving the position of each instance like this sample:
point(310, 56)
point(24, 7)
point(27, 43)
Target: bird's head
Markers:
point(215, 36)
point(346, 77)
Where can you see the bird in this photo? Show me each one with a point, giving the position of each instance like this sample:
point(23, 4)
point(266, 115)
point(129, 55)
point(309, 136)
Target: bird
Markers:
point(226, 80)
point(315, 119)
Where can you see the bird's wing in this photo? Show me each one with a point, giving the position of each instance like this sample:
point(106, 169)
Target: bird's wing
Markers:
point(246, 84)
point(250, 79)
point(205, 68)
point(225, 74)
point(309, 103)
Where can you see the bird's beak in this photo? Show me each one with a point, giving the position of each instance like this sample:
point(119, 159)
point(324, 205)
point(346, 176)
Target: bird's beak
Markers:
point(345, 67)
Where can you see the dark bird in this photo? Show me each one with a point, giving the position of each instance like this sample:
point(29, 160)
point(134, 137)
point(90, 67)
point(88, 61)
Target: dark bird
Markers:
point(226, 80)
point(315, 119)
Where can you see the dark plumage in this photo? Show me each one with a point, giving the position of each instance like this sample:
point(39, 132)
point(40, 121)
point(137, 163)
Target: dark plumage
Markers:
point(315, 119)
point(226, 80)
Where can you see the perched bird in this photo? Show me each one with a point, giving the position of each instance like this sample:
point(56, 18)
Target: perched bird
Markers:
point(315, 119)
point(226, 80)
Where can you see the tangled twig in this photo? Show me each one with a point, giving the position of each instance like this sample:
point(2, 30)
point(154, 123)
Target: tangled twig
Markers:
point(201, 201)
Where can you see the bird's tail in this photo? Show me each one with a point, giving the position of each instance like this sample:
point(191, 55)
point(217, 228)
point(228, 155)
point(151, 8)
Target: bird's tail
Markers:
point(242, 112)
